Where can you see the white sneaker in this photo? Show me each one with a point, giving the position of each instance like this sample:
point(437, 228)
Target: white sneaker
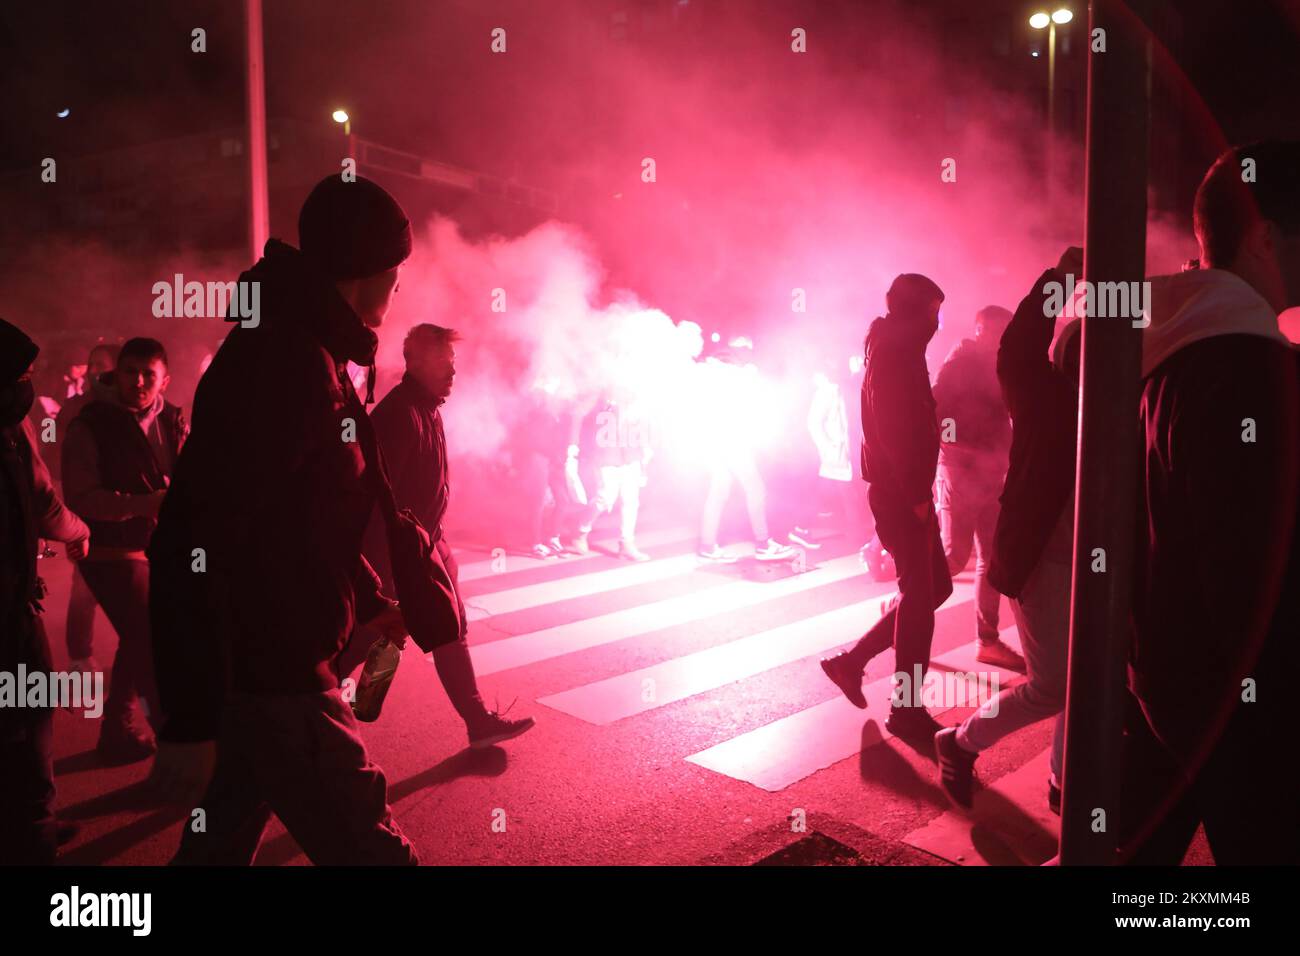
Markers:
point(773, 551)
point(716, 555)
point(630, 552)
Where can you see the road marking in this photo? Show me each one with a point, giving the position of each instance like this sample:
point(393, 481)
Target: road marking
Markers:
point(540, 645)
point(521, 562)
point(786, 751)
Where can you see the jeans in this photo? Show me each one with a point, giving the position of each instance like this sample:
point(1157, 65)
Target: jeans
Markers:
point(27, 825)
point(738, 465)
point(923, 585)
point(968, 515)
point(122, 589)
point(1043, 618)
point(81, 619)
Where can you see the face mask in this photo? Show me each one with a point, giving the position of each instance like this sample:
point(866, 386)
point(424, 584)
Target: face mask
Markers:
point(15, 402)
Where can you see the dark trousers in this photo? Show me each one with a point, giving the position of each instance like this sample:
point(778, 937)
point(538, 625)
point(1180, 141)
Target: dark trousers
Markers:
point(923, 585)
point(27, 836)
point(1246, 794)
point(81, 619)
point(300, 757)
point(122, 590)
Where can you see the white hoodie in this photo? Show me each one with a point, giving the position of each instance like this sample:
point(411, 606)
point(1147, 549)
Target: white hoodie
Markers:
point(1201, 304)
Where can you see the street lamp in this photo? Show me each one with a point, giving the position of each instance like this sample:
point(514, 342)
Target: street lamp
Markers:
point(1038, 21)
point(341, 116)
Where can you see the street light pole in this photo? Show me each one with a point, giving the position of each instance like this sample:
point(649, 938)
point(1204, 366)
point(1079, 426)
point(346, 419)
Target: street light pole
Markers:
point(259, 217)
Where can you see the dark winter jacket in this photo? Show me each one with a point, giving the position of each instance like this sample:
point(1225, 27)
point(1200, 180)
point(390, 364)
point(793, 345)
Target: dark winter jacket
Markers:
point(900, 436)
point(1217, 596)
point(271, 490)
point(30, 509)
point(966, 391)
point(1043, 403)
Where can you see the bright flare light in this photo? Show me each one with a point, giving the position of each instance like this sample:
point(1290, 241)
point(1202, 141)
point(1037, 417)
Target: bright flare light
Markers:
point(1062, 16)
point(340, 116)
point(63, 113)
point(1039, 20)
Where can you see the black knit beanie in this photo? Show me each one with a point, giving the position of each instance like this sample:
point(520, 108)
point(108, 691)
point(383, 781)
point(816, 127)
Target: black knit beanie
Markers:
point(17, 352)
point(353, 230)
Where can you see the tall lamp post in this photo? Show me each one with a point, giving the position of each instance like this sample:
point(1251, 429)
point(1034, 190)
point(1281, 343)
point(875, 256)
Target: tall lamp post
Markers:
point(259, 218)
point(1039, 21)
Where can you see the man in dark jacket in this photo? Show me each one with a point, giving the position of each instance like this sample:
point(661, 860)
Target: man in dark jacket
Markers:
point(975, 435)
point(1217, 606)
point(30, 509)
point(900, 448)
point(258, 577)
point(1032, 555)
point(118, 456)
point(408, 427)
point(80, 622)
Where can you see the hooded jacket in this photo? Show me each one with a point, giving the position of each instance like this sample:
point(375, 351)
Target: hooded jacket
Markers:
point(1220, 417)
point(256, 570)
point(1044, 406)
point(900, 436)
point(966, 390)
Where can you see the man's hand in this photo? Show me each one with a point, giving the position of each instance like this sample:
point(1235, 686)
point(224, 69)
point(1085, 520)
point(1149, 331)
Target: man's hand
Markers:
point(78, 548)
point(181, 772)
point(1071, 263)
point(390, 626)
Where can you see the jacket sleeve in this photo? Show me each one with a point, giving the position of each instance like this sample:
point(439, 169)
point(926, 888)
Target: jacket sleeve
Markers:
point(56, 522)
point(397, 431)
point(1024, 366)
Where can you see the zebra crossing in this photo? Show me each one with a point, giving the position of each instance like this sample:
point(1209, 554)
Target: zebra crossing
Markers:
point(513, 614)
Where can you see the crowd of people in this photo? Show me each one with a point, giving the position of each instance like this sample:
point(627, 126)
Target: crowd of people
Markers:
point(242, 561)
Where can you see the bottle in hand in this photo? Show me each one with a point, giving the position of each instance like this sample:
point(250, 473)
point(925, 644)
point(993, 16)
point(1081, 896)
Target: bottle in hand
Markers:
point(376, 677)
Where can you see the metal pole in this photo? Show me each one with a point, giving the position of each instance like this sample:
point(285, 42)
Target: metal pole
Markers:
point(259, 216)
point(1051, 108)
point(1115, 251)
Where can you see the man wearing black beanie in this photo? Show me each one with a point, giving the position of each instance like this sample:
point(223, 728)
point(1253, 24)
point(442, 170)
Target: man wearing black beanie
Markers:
point(900, 450)
point(30, 509)
point(257, 572)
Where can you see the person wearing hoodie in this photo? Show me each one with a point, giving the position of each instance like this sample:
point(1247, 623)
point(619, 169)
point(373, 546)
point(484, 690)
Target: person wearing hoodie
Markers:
point(30, 510)
point(256, 564)
point(900, 450)
point(1217, 602)
point(408, 428)
point(118, 456)
point(976, 437)
point(1032, 550)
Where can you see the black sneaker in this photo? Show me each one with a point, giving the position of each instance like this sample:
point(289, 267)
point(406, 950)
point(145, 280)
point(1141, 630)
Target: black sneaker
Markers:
point(912, 724)
point(495, 729)
point(847, 677)
point(956, 767)
point(1054, 797)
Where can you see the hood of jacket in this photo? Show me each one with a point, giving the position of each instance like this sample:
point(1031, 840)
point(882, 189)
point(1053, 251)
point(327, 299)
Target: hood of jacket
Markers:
point(103, 388)
point(1202, 304)
point(294, 290)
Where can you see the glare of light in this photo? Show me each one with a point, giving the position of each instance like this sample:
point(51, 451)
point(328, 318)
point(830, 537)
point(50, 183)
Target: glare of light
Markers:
point(63, 113)
point(715, 337)
point(1039, 20)
point(340, 116)
point(1062, 16)
point(1035, 53)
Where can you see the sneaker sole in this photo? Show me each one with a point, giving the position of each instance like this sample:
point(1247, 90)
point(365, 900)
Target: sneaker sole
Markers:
point(840, 688)
point(483, 743)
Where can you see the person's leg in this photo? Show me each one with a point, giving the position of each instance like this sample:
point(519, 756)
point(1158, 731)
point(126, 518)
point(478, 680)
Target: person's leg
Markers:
point(1043, 617)
point(956, 518)
point(714, 501)
point(923, 585)
point(630, 495)
point(751, 483)
point(27, 820)
point(235, 813)
point(122, 590)
point(81, 619)
point(313, 767)
point(534, 480)
point(987, 598)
